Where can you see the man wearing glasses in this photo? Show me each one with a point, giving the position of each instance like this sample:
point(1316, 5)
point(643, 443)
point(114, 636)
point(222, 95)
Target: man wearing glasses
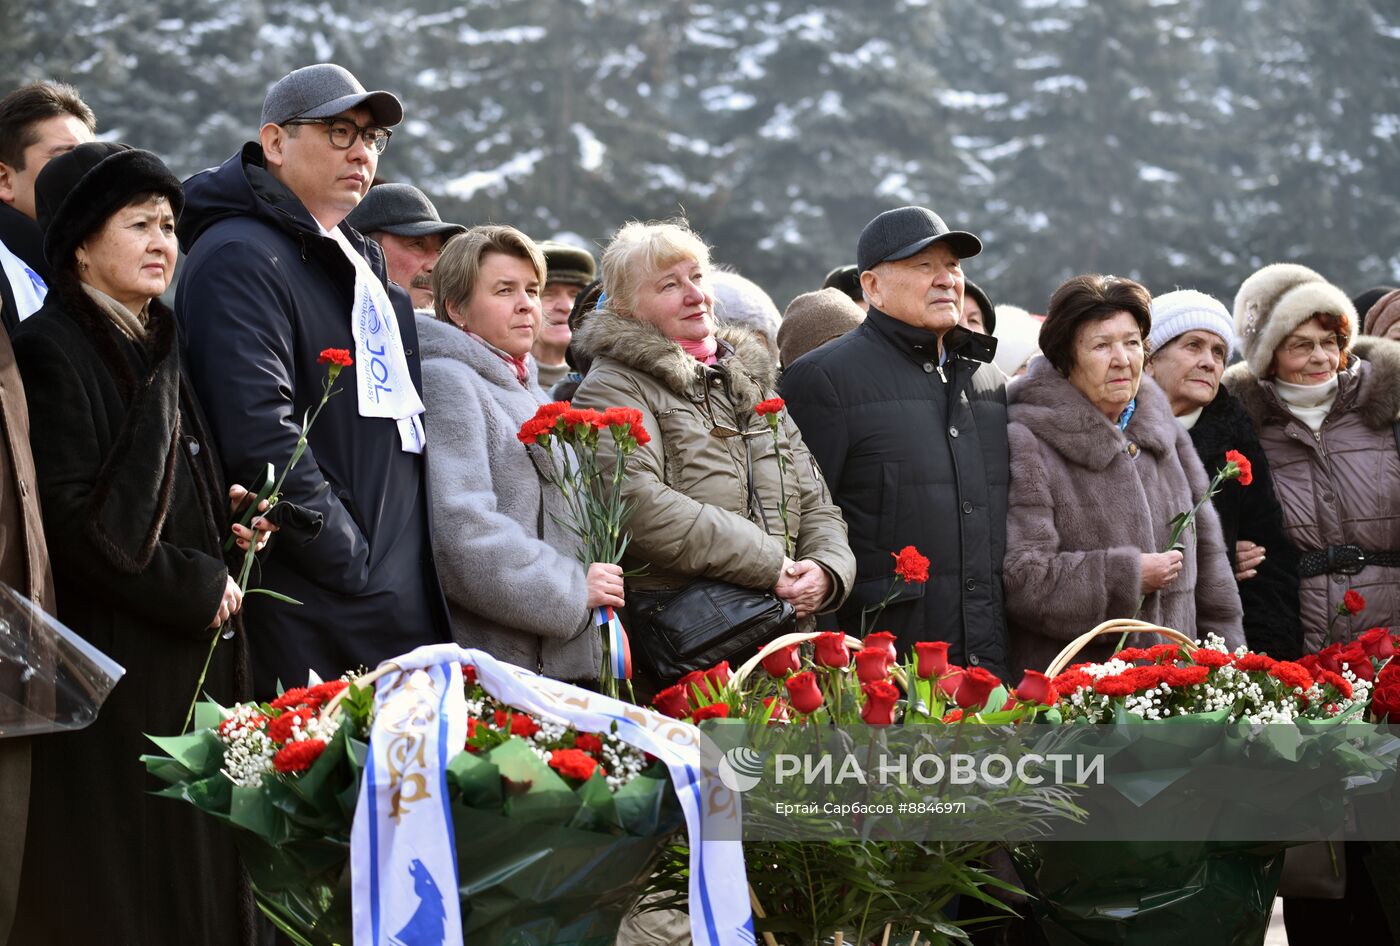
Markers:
point(275, 275)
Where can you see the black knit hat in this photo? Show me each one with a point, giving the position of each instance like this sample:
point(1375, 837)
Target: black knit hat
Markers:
point(989, 314)
point(79, 190)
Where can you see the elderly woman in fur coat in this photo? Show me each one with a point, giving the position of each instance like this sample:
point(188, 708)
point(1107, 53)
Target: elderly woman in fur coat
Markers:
point(1327, 408)
point(1099, 468)
point(133, 498)
point(704, 493)
point(514, 585)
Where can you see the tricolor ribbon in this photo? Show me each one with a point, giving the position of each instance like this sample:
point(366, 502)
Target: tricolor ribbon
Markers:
point(719, 897)
point(619, 649)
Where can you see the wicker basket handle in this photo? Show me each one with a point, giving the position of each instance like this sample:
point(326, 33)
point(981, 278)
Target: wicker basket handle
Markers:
point(1116, 626)
point(332, 708)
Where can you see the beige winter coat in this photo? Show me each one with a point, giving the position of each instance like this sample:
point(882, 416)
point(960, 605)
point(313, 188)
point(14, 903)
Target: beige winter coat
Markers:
point(1340, 486)
point(688, 488)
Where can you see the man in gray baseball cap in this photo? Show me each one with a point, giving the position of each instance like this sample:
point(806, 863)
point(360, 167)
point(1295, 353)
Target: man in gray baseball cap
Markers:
point(406, 225)
point(274, 275)
point(906, 417)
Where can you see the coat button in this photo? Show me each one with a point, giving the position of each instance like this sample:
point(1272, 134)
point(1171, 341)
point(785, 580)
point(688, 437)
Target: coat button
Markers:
point(928, 367)
point(974, 659)
point(1340, 579)
point(971, 584)
point(193, 445)
point(952, 431)
point(1132, 450)
point(967, 507)
point(23, 488)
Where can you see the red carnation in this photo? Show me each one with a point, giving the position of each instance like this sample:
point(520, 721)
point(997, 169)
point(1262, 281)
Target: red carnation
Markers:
point(521, 724)
point(880, 698)
point(579, 417)
point(831, 651)
point(1144, 678)
point(1184, 676)
point(588, 742)
point(771, 406)
point(1251, 663)
point(1378, 643)
point(323, 693)
point(1114, 685)
point(469, 675)
point(1131, 654)
point(1291, 675)
point(803, 692)
point(713, 711)
point(298, 756)
point(932, 657)
point(1035, 687)
point(1072, 681)
point(1338, 683)
point(280, 729)
point(1353, 602)
point(573, 764)
point(553, 409)
point(290, 699)
point(621, 417)
point(1160, 652)
point(974, 688)
point(872, 665)
point(1246, 469)
point(674, 701)
point(256, 721)
point(1205, 657)
point(472, 726)
point(782, 661)
point(639, 433)
point(532, 428)
point(340, 357)
point(910, 565)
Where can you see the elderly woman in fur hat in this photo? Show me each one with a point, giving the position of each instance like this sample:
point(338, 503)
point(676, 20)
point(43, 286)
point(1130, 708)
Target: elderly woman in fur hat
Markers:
point(704, 493)
point(1099, 468)
point(132, 492)
point(507, 562)
point(1326, 405)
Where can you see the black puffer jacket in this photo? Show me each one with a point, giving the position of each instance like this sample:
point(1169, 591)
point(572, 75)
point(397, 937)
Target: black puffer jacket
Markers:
point(913, 460)
point(262, 294)
point(1253, 513)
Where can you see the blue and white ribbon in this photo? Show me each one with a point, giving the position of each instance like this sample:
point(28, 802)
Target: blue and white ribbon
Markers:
point(719, 897)
point(402, 862)
point(28, 286)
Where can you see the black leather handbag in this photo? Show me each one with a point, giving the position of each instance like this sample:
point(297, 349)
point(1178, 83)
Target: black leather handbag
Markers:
point(701, 624)
point(709, 620)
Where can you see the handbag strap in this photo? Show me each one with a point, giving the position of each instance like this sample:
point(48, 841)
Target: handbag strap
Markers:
point(754, 504)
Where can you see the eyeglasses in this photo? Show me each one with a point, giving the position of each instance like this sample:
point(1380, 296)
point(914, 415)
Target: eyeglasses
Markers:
point(343, 132)
point(1303, 347)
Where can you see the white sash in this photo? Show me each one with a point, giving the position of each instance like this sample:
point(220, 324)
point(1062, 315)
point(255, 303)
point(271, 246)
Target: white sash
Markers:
point(381, 369)
point(719, 898)
point(28, 286)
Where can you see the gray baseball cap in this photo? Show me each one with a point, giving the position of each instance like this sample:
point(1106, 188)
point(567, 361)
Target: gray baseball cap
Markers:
point(900, 233)
point(323, 91)
point(400, 209)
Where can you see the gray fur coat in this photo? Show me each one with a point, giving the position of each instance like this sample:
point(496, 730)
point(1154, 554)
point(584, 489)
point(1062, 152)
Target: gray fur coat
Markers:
point(1087, 500)
point(514, 585)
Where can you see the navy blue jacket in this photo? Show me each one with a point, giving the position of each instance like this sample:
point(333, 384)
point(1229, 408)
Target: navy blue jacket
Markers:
point(914, 460)
point(262, 293)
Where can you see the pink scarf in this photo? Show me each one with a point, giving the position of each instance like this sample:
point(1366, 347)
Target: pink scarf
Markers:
point(522, 370)
point(702, 351)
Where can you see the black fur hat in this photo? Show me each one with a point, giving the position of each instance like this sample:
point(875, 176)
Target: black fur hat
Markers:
point(77, 191)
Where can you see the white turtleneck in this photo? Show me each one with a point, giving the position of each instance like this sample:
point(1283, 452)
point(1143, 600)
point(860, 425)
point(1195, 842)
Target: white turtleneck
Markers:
point(1310, 403)
point(1188, 420)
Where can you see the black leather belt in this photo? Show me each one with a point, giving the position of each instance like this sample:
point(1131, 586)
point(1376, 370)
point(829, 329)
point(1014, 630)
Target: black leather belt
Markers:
point(1343, 560)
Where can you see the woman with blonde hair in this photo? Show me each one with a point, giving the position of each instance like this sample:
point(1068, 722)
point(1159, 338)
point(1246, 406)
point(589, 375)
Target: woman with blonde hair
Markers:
point(704, 495)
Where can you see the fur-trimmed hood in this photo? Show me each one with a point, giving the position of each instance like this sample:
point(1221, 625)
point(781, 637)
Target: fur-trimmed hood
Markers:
point(1055, 411)
point(744, 356)
point(1374, 394)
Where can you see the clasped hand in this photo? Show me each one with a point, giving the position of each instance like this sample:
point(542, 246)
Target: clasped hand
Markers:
point(804, 585)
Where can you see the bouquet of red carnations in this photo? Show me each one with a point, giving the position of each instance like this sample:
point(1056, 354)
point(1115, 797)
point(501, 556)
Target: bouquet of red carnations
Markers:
point(556, 829)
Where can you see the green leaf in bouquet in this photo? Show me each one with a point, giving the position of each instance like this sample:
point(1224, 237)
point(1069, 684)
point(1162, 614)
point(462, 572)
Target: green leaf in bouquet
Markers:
point(478, 782)
point(200, 753)
point(548, 798)
point(208, 715)
point(168, 771)
point(320, 785)
point(647, 806)
point(253, 810)
point(596, 811)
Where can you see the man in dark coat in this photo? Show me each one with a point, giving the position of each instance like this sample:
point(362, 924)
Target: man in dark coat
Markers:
point(907, 419)
point(38, 122)
point(274, 276)
point(1190, 345)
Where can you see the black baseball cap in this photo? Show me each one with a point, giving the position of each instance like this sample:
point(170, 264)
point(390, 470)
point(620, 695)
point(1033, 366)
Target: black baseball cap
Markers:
point(900, 233)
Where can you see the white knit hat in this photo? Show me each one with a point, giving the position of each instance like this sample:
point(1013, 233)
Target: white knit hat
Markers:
point(1185, 310)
